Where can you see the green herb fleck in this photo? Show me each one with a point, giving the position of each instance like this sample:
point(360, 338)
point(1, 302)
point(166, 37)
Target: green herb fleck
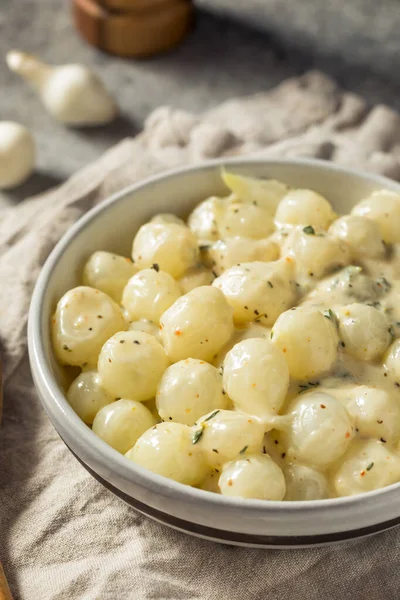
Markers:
point(306, 386)
point(243, 450)
point(309, 230)
point(370, 466)
point(329, 314)
point(204, 246)
point(156, 267)
point(212, 415)
point(272, 334)
point(197, 435)
point(270, 284)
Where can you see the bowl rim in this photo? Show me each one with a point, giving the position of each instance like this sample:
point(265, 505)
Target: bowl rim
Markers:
point(56, 404)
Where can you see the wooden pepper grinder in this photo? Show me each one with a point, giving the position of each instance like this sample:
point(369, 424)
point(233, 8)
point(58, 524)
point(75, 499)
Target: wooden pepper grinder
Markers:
point(134, 28)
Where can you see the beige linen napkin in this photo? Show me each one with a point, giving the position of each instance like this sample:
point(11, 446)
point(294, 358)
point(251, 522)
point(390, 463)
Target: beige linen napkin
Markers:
point(62, 535)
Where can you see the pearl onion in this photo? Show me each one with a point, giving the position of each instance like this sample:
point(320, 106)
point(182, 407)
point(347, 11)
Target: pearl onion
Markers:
point(189, 389)
point(383, 207)
point(203, 221)
point(149, 293)
point(245, 220)
point(258, 290)
point(321, 429)
point(256, 377)
point(255, 476)
point(308, 341)
point(167, 449)
point(197, 325)
point(121, 423)
point(315, 255)
point(84, 319)
point(305, 207)
point(171, 246)
point(108, 272)
point(366, 466)
point(131, 365)
point(223, 434)
point(86, 396)
point(364, 331)
point(361, 234)
point(305, 483)
point(228, 253)
point(376, 412)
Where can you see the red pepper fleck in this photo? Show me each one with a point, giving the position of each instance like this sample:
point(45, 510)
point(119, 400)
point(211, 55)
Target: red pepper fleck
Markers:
point(178, 332)
point(322, 406)
point(362, 473)
point(347, 435)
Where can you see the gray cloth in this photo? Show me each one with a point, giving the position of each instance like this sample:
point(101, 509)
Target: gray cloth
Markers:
point(63, 536)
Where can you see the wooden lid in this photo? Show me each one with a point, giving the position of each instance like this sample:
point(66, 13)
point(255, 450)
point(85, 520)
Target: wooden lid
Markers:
point(137, 32)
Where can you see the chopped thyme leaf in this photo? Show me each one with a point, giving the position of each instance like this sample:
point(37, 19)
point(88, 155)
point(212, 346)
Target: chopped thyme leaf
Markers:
point(329, 314)
point(204, 246)
point(156, 267)
point(370, 466)
point(309, 230)
point(306, 386)
point(270, 284)
point(243, 450)
point(197, 435)
point(212, 415)
point(272, 334)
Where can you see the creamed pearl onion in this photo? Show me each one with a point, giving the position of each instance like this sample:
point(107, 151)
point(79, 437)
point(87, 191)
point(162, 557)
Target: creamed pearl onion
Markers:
point(367, 465)
point(383, 207)
point(224, 433)
point(171, 246)
point(256, 377)
point(108, 272)
point(258, 290)
point(87, 397)
point(229, 252)
point(308, 341)
point(376, 413)
point(197, 325)
point(167, 449)
point(305, 483)
point(245, 220)
point(131, 364)
point(364, 331)
point(361, 234)
point(189, 389)
point(121, 423)
point(315, 255)
point(321, 429)
point(84, 320)
point(305, 207)
point(148, 294)
point(253, 476)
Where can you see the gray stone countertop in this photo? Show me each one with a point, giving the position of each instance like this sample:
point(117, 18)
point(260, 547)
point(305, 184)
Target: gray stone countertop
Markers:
point(225, 56)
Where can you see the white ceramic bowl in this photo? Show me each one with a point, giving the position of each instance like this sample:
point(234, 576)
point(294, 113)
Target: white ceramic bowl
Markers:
point(112, 226)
